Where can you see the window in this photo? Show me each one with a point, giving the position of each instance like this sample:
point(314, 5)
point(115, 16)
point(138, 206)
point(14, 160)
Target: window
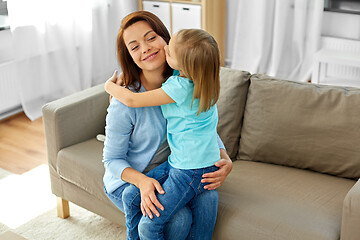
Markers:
point(3, 15)
point(343, 6)
point(3, 8)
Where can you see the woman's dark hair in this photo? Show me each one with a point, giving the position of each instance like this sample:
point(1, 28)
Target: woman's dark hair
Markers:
point(131, 72)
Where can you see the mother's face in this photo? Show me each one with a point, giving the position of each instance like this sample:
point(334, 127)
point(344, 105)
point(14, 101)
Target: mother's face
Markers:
point(145, 46)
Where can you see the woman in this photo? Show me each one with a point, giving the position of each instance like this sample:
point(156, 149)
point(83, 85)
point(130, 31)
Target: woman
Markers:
point(135, 136)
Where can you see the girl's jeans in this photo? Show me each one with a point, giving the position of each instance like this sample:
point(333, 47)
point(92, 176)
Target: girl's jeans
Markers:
point(182, 188)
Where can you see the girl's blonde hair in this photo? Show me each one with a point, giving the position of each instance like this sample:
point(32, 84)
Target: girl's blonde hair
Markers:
point(198, 57)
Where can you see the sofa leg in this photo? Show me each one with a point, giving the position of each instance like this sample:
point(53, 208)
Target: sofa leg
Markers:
point(63, 210)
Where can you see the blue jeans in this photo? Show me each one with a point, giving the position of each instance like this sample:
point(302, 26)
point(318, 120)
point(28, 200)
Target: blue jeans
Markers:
point(179, 226)
point(183, 188)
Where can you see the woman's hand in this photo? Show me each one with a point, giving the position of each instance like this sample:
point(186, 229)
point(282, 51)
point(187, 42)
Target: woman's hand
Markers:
point(217, 178)
point(147, 187)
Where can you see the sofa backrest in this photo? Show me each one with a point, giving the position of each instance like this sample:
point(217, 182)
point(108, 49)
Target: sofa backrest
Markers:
point(233, 90)
point(302, 125)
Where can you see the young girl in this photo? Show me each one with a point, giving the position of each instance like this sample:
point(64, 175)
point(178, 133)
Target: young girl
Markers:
point(188, 103)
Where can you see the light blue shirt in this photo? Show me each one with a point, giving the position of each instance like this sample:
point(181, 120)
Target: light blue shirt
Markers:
point(133, 136)
point(192, 138)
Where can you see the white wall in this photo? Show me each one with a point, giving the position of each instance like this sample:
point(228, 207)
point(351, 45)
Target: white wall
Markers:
point(232, 6)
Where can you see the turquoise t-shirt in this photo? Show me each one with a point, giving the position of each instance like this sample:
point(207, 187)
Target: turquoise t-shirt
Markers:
point(192, 138)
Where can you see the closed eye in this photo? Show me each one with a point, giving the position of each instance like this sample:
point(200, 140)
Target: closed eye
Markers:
point(134, 48)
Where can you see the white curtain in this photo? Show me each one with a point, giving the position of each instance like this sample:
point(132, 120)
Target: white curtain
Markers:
point(63, 46)
point(277, 37)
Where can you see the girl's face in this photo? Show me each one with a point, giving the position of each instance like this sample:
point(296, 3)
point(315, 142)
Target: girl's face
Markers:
point(171, 57)
point(145, 46)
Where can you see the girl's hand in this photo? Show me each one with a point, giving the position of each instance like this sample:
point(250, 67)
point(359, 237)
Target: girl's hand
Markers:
point(119, 79)
point(217, 178)
point(110, 80)
point(147, 188)
point(114, 79)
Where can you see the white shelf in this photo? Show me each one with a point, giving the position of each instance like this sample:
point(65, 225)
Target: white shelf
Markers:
point(180, 1)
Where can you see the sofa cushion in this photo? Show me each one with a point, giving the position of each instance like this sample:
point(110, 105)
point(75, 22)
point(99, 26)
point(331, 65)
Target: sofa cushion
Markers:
point(259, 200)
point(233, 90)
point(76, 164)
point(302, 125)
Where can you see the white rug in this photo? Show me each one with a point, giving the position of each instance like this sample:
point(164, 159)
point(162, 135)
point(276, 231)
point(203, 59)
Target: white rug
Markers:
point(4, 173)
point(28, 208)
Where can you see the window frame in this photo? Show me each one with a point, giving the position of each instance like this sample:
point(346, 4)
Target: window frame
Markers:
point(342, 6)
point(4, 25)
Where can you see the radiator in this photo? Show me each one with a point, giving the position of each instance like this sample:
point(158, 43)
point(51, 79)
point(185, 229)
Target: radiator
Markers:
point(335, 71)
point(9, 95)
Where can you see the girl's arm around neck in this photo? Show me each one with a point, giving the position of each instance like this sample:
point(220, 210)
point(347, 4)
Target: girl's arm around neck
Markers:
point(155, 97)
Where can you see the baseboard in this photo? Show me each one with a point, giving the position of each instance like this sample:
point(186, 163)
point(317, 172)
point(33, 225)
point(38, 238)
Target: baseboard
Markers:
point(10, 113)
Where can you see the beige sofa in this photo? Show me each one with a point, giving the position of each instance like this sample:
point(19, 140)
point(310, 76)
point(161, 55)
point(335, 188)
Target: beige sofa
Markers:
point(295, 148)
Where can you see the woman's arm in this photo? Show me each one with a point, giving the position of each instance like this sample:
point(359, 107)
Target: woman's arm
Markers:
point(155, 97)
point(115, 151)
point(118, 135)
point(217, 178)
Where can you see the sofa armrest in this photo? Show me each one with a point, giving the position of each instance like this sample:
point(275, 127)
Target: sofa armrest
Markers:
point(74, 119)
point(351, 214)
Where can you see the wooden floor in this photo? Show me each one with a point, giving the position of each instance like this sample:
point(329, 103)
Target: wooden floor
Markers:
point(22, 144)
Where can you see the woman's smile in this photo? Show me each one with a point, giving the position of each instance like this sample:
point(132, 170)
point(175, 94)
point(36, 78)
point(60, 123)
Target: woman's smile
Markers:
point(151, 56)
